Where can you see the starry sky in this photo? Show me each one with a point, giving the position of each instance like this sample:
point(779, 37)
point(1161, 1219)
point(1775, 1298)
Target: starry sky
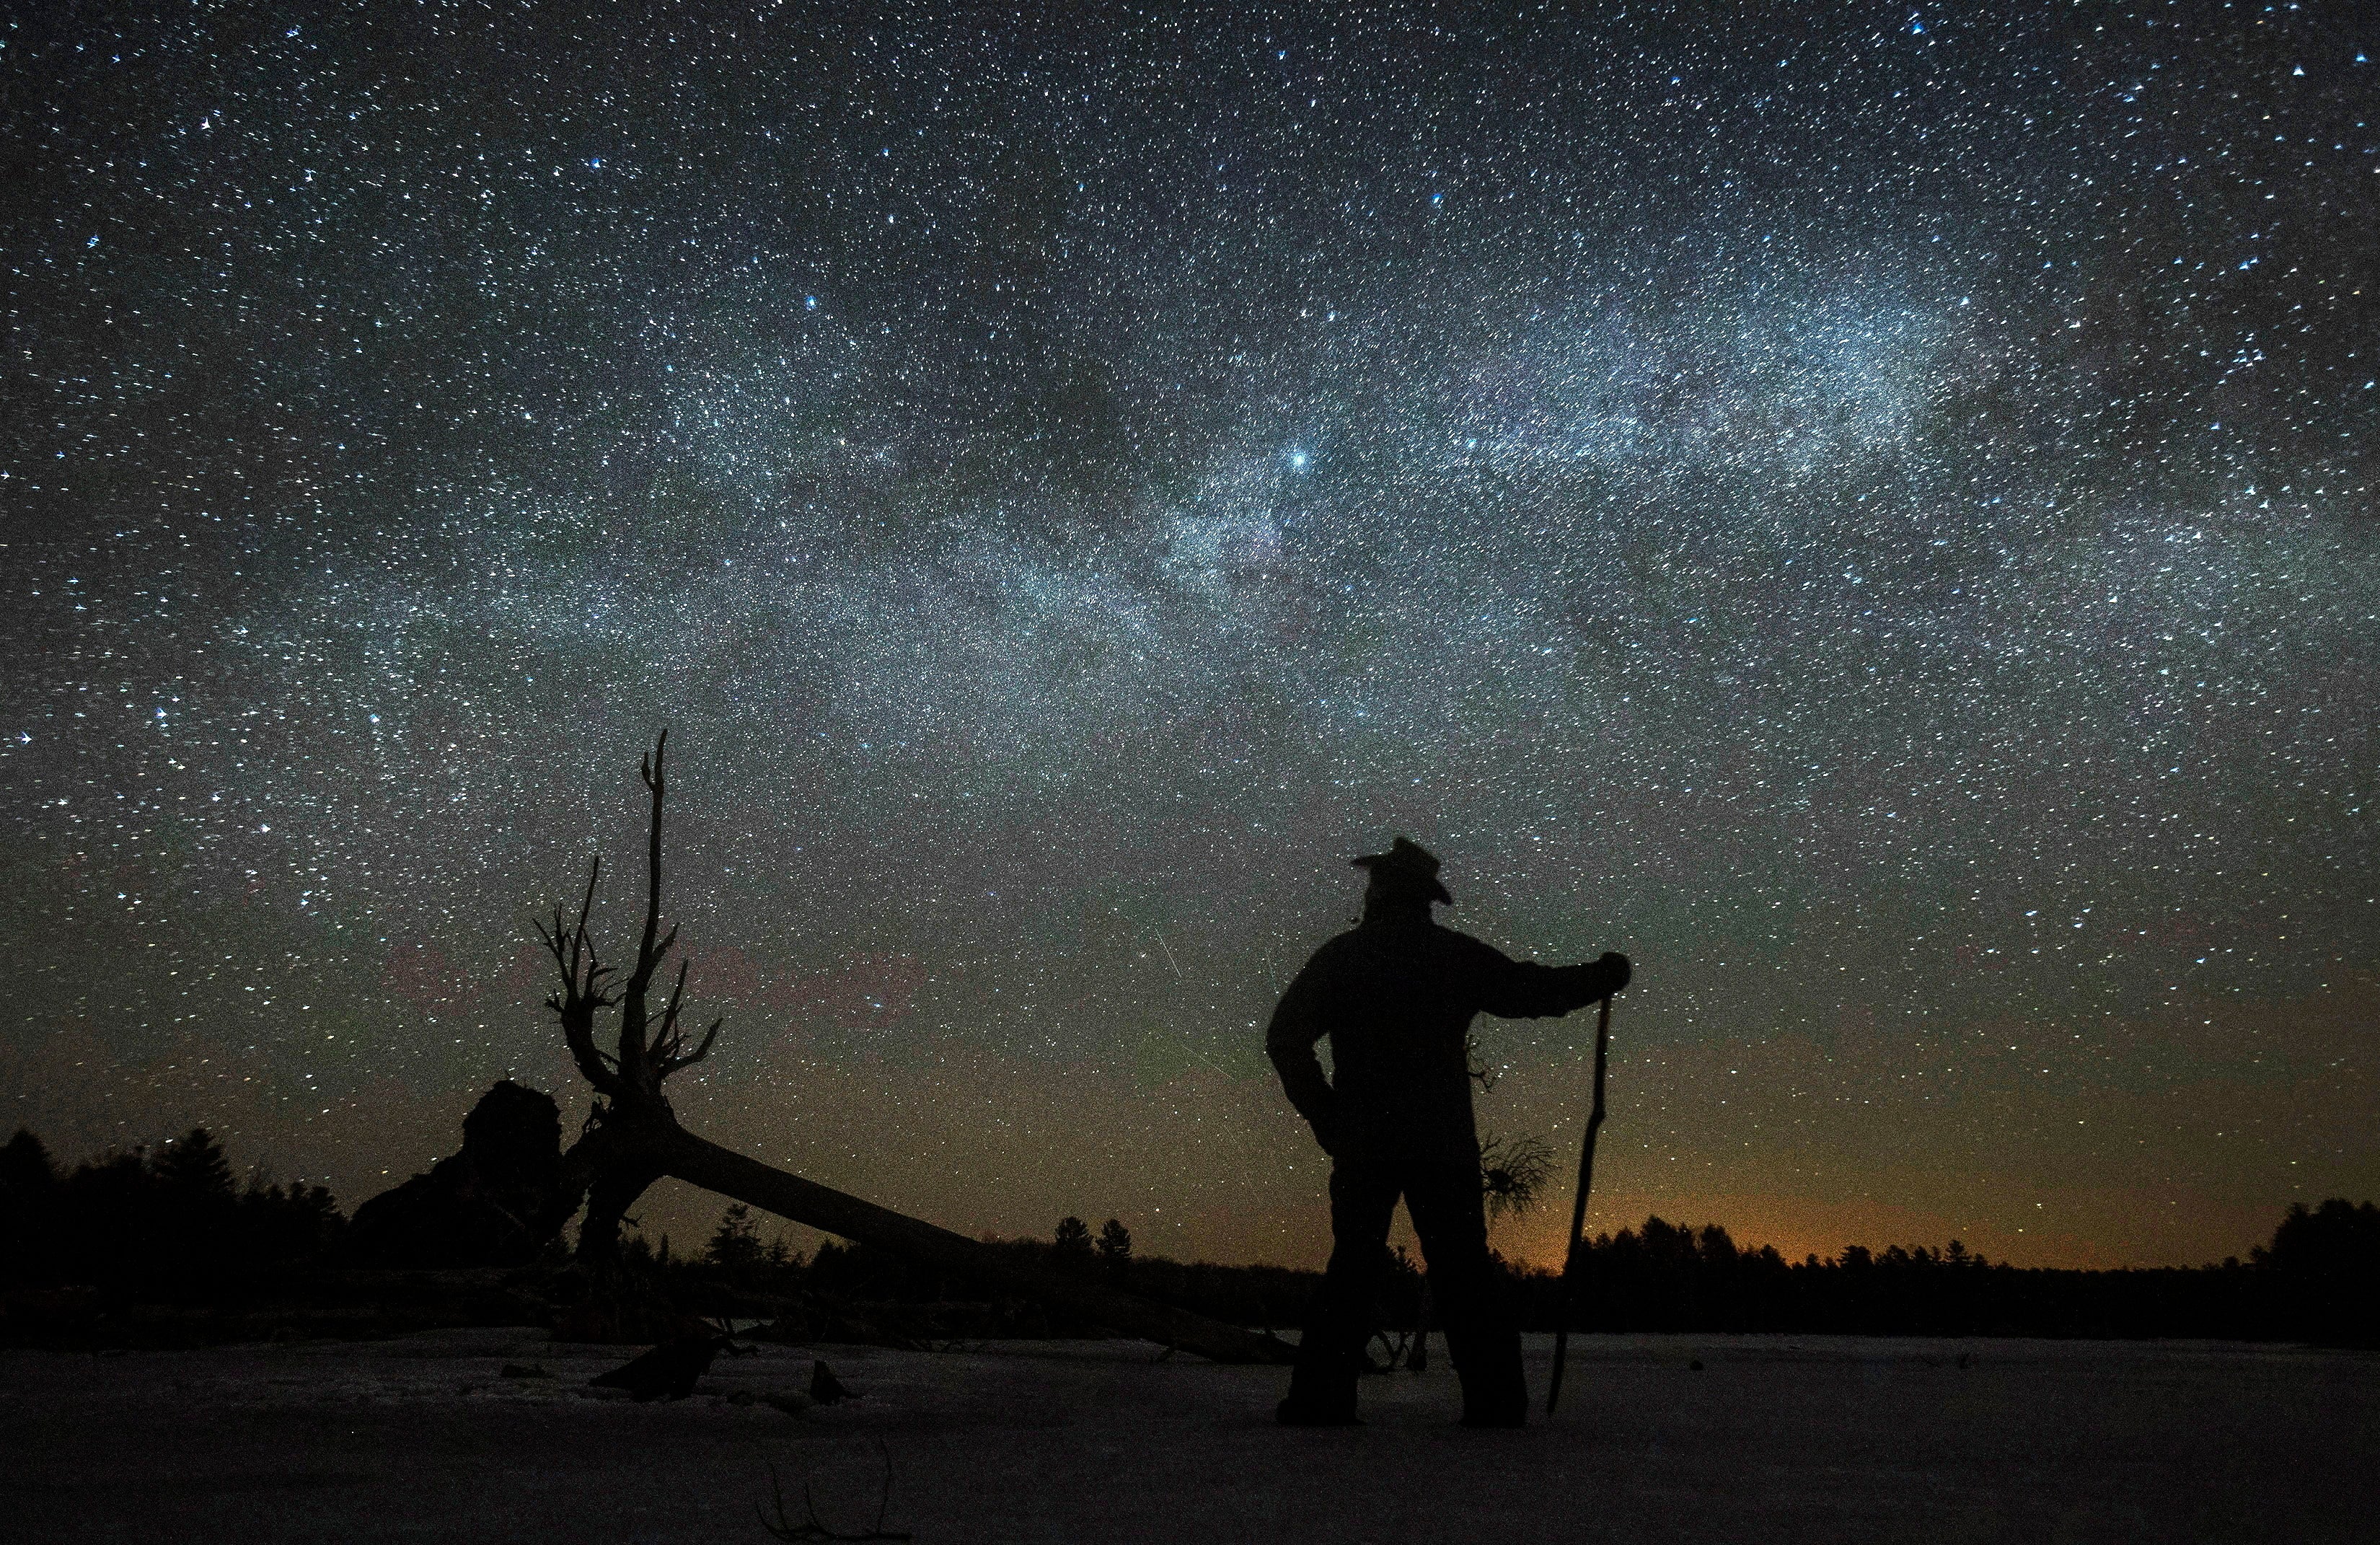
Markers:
point(1868, 509)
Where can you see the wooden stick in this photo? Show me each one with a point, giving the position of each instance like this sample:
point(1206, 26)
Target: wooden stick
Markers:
point(1578, 1206)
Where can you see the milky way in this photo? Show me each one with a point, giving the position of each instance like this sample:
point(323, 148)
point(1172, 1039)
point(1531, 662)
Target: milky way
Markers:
point(1870, 513)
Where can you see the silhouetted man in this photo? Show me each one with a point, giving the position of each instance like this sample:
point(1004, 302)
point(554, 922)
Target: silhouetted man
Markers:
point(1396, 994)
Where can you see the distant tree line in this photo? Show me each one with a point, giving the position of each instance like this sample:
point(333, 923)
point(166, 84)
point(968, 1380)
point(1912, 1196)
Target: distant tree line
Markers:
point(734, 1262)
point(2319, 1280)
point(175, 1224)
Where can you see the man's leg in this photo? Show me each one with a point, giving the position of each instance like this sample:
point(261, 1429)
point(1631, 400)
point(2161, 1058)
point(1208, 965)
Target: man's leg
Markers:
point(1445, 1203)
point(1330, 1353)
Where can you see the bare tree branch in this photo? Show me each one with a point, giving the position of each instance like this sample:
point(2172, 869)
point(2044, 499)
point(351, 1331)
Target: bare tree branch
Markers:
point(581, 994)
point(701, 1051)
point(651, 772)
point(645, 1054)
point(667, 1042)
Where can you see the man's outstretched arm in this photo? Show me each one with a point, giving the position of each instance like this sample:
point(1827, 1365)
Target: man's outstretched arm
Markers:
point(1525, 990)
point(1289, 1041)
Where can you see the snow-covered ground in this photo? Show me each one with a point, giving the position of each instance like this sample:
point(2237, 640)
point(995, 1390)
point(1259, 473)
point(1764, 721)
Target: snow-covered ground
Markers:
point(1772, 1439)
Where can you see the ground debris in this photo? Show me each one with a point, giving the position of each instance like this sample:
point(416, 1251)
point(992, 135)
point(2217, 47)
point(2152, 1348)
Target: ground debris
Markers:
point(825, 1388)
point(669, 1370)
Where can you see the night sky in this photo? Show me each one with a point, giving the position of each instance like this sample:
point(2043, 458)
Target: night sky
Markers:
point(1867, 509)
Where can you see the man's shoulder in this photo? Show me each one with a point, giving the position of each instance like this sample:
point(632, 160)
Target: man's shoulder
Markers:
point(1363, 946)
point(1410, 940)
point(1332, 949)
point(1339, 944)
point(1455, 941)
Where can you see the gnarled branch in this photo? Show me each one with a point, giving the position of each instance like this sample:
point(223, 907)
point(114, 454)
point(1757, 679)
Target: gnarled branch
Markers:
point(644, 1056)
point(582, 993)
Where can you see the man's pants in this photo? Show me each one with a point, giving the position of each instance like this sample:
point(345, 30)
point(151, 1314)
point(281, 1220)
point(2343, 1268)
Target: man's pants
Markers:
point(1442, 1194)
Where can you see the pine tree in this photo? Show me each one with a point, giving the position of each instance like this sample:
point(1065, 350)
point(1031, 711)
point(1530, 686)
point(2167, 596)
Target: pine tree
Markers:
point(25, 1165)
point(1073, 1239)
point(735, 1245)
point(1115, 1243)
point(28, 1187)
point(194, 1167)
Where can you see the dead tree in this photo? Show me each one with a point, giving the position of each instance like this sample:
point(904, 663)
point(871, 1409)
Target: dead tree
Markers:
point(633, 1137)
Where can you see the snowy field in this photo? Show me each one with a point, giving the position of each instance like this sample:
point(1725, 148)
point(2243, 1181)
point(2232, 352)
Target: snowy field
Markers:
point(1772, 1439)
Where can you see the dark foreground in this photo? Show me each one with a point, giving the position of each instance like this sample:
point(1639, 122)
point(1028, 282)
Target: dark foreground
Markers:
point(1774, 1438)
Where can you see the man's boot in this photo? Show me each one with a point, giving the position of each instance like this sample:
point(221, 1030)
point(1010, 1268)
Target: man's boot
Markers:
point(1293, 1412)
point(1495, 1392)
point(1321, 1393)
point(1499, 1407)
point(1497, 1413)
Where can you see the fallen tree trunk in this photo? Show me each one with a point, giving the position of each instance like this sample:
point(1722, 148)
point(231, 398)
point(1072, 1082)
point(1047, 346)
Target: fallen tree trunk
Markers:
point(634, 1138)
point(714, 1168)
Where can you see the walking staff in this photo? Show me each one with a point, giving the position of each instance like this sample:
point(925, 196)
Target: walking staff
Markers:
point(1578, 1207)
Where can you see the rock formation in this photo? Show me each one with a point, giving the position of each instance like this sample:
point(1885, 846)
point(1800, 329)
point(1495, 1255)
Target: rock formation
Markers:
point(489, 1205)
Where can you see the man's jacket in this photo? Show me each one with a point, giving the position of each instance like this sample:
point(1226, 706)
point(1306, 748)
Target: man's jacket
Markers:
point(1396, 996)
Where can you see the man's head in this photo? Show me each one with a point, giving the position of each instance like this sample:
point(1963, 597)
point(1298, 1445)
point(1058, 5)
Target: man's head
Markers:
point(1405, 876)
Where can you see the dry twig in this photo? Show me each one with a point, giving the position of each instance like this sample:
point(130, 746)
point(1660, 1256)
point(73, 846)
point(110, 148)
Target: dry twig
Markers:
point(810, 1528)
point(1512, 1171)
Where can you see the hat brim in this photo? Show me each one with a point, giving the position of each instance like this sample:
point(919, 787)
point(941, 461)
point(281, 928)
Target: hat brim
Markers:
point(1389, 864)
